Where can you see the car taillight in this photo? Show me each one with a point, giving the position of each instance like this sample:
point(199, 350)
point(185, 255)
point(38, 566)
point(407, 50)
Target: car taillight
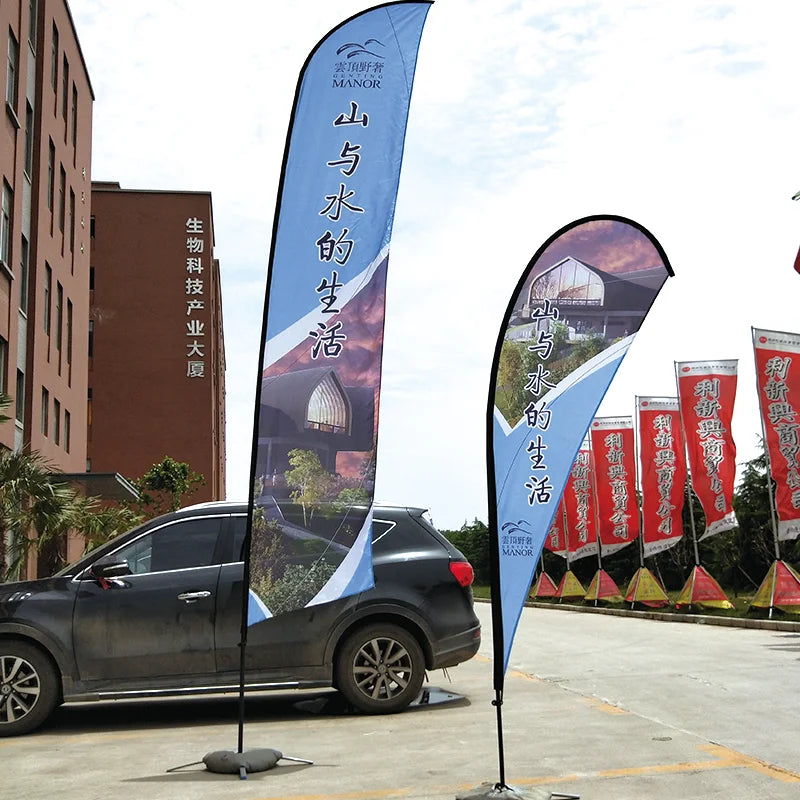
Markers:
point(462, 572)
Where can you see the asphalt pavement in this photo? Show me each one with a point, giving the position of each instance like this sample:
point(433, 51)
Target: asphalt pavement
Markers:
point(601, 706)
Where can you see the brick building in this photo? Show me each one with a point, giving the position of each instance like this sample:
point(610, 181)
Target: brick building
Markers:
point(136, 361)
point(45, 153)
point(156, 355)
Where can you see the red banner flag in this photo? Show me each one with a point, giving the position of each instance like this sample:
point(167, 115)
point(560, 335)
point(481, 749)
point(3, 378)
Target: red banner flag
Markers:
point(579, 507)
point(663, 465)
point(778, 378)
point(556, 541)
point(614, 453)
point(707, 390)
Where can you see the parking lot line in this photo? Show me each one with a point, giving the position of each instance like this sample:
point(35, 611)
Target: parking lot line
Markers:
point(722, 758)
point(606, 708)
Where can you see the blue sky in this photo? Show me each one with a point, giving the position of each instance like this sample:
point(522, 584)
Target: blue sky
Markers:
point(525, 116)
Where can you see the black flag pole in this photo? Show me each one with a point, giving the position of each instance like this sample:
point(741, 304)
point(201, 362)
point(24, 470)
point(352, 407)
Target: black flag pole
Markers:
point(295, 312)
point(530, 423)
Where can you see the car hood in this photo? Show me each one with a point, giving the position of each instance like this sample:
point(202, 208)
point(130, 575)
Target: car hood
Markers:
point(20, 591)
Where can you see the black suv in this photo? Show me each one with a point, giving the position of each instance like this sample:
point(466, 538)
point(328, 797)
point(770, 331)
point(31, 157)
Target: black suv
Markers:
point(171, 624)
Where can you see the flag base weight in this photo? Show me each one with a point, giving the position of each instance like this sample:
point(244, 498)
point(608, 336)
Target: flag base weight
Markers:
point(494, 791)
point(255, 760)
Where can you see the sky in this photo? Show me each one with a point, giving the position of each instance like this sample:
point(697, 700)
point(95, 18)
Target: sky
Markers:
point(525, 116)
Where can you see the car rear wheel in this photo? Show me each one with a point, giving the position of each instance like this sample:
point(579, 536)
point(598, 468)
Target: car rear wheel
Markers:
point(28, 687)
point(380, 668)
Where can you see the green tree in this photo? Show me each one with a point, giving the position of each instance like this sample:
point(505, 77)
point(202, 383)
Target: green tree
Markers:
point(268, 554)
point(32, 507)
point(309, 479)
point(472, 539)
point(165, 486)
point(297, 586)
point(509, 396)
point(96, 522)
point(37, 510)
point(351, 496)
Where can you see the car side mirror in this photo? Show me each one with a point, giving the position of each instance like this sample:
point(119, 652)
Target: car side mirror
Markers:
point(104, 571)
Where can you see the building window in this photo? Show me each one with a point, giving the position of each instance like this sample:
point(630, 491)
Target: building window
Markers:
point(328, 408)
point(48, 285)
point(91, 227)
point(67, 430)
point(54, 60)
point(32, 24)
point(71, 220)
point(570, 282)
point(74, 116)
point(64, 96)
point(62, 199)
point(69, 335)
point(23, 275)
point(3, 366)
point(59, 314)
point(51, 177)
point(88, 415)
point(20, 396)
point(28, 139)
point(12, 71)
point(45, 411)
point(5, 224)
point(91, 338)
point(56, 421)
point(91, 279)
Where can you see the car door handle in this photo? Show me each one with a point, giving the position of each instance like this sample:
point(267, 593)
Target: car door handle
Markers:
point(190, 597)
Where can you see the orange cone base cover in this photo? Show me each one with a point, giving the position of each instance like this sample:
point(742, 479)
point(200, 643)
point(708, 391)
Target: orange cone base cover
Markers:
point(644, 588)
point(544, 586)
point(786, 592)
point(603, 587)
point(702, 590)
point(570, 587)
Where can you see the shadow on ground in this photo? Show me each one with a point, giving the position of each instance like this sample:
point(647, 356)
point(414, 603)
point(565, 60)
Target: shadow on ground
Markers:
point(199, 711)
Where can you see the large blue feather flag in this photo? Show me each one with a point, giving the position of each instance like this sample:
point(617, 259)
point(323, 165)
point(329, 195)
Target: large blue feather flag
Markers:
point(568, 325)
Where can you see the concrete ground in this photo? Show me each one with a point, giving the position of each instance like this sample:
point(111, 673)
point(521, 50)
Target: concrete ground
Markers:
point(600, 706)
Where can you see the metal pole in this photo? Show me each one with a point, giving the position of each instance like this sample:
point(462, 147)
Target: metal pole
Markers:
point(688, 470)
point(772, 512)
point(566, 552)
point(596, 523)
point(772, 588)
point(691, 518)
point(498, 704)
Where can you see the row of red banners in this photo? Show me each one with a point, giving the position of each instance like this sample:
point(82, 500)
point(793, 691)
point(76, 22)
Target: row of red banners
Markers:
point(685, 435)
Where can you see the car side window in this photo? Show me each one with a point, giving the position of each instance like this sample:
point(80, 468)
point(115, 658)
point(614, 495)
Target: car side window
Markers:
point(181, 545)
point(239, 524)
point(381, 529)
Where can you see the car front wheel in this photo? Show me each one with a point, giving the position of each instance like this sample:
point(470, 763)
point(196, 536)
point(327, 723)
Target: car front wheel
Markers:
point(28, 687)
point(380, 668)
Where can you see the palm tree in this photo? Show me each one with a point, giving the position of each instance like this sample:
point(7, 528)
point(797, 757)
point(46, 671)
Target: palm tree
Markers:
point(29, 503)
point(95, 522)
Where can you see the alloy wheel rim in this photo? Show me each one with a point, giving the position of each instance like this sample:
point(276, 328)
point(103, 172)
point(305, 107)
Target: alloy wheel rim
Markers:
point(19, 688)
point(382, 668)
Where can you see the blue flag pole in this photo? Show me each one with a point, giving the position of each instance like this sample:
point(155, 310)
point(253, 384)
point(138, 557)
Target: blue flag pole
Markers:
point(569, 322)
